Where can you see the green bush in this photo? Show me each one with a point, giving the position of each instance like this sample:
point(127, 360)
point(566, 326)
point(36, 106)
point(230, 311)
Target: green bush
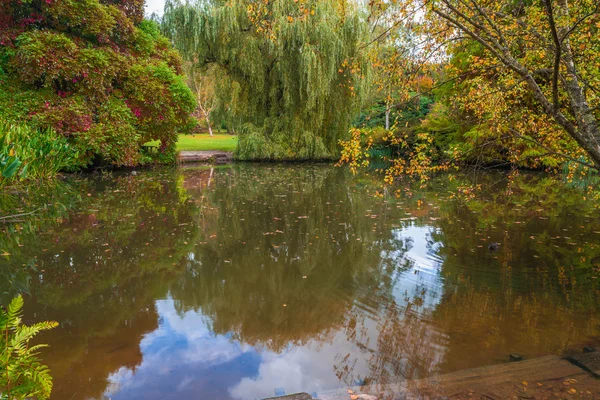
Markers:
point(255, 145)
point(94, 72)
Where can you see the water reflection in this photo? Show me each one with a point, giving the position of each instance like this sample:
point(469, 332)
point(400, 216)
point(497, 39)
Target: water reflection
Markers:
point(233, 282)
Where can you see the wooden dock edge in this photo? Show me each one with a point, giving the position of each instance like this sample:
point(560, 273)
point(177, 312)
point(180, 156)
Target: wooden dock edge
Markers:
point(551, 377)
point(210, 157)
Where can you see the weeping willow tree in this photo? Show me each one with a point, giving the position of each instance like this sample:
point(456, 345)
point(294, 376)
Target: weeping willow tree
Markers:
point(290, 72)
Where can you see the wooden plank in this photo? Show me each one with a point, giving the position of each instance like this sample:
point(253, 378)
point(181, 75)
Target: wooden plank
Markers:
point(588, 361)
point(545, 378)
point(538, 369)
point(297, 396)
point(220, 157)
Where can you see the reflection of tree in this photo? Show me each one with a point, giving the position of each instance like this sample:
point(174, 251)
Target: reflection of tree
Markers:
point(538, 295)
point(277, 256)
point(547, 240)
point(405, 346)
point(100, 269)
point(35, 213)
point(485, 326)
point(284, 254)
point(128, 228)
point(99, 337)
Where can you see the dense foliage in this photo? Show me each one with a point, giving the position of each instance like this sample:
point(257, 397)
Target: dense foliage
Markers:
point(33, 153)
point(96, 73)
point(23, 376)
point(514, 83)
point(288, 73)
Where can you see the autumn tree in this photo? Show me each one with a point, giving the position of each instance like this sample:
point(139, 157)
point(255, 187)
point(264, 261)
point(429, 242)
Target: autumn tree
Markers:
point(393, 51)
point(293, 70)
point(516, 83)
point(536, 56)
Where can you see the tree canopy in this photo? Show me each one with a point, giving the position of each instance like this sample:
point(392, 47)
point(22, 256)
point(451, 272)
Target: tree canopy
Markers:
point(514, 83)
point(291, 72)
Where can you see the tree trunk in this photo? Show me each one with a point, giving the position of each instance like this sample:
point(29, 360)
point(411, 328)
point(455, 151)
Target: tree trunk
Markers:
point(387, 118)
point(210, 132)
point(588, 125)
point(585, 128)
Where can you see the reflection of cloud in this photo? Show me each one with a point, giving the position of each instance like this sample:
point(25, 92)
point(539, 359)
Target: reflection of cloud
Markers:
point(116, 379)
point(308, 368)
point(423, 278)
point(191, 337)
point(183, 357)
point(173, 353)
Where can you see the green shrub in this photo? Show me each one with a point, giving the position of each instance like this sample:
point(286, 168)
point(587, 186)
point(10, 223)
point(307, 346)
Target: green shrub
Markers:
point(10, 165)
point(255, 145)
point(95, 73)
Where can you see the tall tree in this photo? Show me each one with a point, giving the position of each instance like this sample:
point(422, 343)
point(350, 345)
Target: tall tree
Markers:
point(547, 50)
point(202, 82)
point(293, 69)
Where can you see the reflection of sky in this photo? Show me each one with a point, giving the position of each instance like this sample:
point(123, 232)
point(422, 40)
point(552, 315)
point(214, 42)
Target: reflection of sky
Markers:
point(422, 279)
point(183, 358)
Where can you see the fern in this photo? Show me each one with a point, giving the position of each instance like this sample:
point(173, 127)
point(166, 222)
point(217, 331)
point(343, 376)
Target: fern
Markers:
point(22, 375)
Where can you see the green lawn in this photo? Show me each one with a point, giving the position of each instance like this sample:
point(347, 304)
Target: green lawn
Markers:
point(197, 142)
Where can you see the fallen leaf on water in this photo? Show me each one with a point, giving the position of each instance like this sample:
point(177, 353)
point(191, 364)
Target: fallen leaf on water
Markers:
point(353, 397)
point(350, 391)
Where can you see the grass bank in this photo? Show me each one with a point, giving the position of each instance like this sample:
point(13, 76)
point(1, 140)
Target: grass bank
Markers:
point(204, 142)
point(200, 142)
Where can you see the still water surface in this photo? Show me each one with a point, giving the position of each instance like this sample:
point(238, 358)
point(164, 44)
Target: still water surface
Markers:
point(239, 282)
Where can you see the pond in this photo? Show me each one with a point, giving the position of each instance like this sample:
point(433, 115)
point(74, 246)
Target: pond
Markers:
point(245, 281)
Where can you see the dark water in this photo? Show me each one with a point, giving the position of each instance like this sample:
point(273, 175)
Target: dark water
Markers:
point(231, 283)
